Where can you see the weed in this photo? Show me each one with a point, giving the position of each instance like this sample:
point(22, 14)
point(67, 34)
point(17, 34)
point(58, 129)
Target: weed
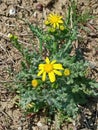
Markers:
point(51, 78)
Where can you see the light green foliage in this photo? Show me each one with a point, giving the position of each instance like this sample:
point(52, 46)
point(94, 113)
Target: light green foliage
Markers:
point(67, 92)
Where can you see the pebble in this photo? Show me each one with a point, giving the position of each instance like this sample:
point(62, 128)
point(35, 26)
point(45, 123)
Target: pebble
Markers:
point(39, 7)
point(19, 128)
point(39, 124)
point(35, 14)
point(12, 11)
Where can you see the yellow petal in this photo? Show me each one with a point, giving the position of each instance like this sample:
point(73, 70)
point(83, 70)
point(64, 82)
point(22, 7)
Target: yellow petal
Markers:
point(54, 25)
point(58, 66)
point(44, 76)
point(50, 15)
point(57, 25)
point(47, 60)
point(60, 21)
point(57, 72)
point(41, 66)
point(60, 17)
point(53, 61)
point(40, 72)
point(47, 22)
point(51, 76)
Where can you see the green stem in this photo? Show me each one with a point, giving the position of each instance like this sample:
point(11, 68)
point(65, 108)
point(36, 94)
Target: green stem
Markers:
point(68, 45)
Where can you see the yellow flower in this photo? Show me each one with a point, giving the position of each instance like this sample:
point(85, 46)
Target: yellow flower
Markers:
point(30, 105)
point(66, 72)
point(34, 83)
point(51, 69)
point(47, 22)
point(55, 20)
point(10, 35)
point(62, 27)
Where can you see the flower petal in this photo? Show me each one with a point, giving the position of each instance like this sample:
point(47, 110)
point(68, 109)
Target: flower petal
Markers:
point(53, 61)
point(60, 17)
point(40, 72)
point(57, 24)
point(54, 25)
point(41, 66)
point(51, 15)
point(58, 66)
point(52, 76)
point(57, 72)
point(47, 22)
point(60, 21)
point(44, 76)
point(47, 60)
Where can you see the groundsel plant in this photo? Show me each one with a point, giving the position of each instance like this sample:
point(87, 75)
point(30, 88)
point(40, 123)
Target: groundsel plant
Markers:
point(52, 79)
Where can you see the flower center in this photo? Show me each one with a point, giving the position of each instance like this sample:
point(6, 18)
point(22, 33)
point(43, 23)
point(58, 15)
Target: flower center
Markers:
point(66, 72)
point(54, 20)
point(34, 83)
point(48, 67)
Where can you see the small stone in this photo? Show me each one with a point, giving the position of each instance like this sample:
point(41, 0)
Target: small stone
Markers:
point(35, 128)
point(39, 7)
point(39, 124)
point(12, 11)
point(96, 52)
point(19, 128)
point(35, 14)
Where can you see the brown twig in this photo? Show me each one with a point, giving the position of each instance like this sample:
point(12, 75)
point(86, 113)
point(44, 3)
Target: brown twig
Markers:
point(12, 81)
point(6, 114)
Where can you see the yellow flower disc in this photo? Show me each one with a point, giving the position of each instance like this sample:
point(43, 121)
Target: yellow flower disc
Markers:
point(66, 72)
point(62, 27)
point(34, 83)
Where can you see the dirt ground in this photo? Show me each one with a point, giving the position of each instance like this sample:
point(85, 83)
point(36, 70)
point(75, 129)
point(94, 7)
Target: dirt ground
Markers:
point(11, 14)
